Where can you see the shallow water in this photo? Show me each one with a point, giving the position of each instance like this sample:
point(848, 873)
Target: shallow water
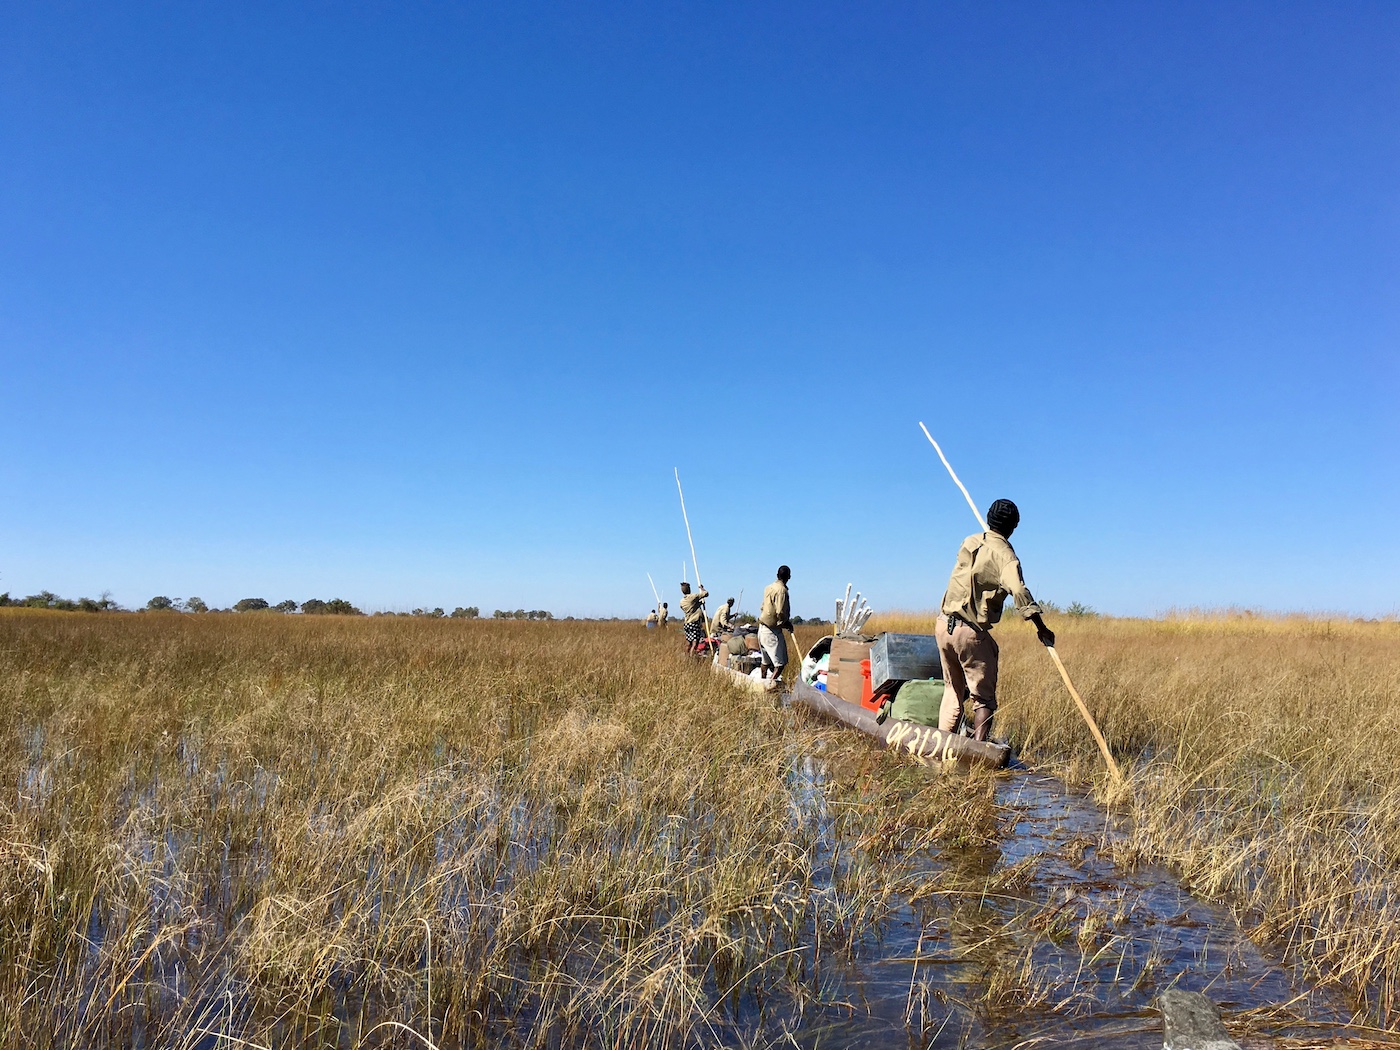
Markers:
point(1038, 938)
point(1079, 945)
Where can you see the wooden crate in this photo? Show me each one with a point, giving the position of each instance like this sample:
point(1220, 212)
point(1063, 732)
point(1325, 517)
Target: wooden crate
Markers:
point(843, 675)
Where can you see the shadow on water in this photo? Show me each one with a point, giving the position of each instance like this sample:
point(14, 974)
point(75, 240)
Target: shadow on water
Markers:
point(1043, 939)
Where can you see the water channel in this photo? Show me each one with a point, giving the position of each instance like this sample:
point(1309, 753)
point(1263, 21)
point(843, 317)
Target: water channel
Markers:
point(1052, 943)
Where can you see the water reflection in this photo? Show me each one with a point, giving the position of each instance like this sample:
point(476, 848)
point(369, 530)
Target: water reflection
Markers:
point(1040, 937)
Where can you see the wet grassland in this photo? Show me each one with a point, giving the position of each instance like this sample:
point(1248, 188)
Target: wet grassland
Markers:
point(224, 830)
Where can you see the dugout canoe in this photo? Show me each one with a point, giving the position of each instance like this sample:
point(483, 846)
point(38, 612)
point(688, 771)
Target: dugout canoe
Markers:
point(925, 744)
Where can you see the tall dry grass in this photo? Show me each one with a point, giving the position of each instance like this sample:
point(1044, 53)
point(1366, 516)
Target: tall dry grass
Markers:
point(1261, 757)
point(350, 831)
point(372, 832)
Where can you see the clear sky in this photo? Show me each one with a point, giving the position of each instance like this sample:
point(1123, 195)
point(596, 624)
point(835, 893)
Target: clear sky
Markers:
point(421, 304)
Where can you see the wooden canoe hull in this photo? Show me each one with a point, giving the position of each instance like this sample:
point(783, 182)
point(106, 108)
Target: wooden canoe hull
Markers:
point(925, 743)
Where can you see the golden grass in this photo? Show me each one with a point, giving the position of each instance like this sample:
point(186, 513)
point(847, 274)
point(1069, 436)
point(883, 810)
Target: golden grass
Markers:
point(353, 831)
point(299, 831)
point(1261, 759)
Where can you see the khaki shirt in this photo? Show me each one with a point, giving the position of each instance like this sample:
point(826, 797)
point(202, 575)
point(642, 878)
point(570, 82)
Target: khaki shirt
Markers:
point(720, 623)
point(776, 609)
point(692, 605)
point(665, 615)
point(987, 571)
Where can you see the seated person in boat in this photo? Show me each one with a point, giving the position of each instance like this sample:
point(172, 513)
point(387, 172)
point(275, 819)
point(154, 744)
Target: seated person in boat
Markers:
point(723, 619)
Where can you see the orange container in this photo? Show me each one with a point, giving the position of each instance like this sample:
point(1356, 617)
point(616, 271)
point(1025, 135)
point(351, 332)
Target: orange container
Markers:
point(866, 692)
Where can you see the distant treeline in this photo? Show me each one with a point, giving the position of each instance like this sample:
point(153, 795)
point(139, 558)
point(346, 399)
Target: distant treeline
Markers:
point(319, 607)
point(49, 600)
point(162, 603)
point(310, 607)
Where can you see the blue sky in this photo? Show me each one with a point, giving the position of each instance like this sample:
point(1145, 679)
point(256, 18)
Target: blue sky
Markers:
point(422, 304)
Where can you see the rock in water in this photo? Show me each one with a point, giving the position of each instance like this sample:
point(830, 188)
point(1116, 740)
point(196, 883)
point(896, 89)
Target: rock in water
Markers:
point(1190, 1021)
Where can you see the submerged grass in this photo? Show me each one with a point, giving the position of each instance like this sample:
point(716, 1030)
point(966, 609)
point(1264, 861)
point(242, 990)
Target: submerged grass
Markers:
point(1260, 757)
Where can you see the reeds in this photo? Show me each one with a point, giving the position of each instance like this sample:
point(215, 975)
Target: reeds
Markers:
point(346, 831)
point(369, 832)
point(1262, 757)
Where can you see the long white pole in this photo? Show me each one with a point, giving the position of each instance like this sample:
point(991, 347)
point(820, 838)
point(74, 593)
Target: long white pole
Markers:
point(688, 536)
point(654, 592)
point(975, 512)
point(1059, 664)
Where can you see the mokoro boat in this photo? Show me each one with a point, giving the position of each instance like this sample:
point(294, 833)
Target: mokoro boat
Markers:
point(925, 744)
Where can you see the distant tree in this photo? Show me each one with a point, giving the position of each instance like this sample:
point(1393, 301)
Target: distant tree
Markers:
point(160, 603)
point(519, 614)
point(471, 612)
point(499, 615)
point(195, 605)
point(1080, 609)
point(334, 607)
point(250, 605)
point(288, 606)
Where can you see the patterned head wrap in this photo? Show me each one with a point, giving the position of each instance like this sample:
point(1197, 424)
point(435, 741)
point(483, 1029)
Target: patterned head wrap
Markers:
point(1003, 517)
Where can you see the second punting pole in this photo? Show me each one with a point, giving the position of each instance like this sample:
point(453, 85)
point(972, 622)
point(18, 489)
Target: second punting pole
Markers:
point(1059, 664)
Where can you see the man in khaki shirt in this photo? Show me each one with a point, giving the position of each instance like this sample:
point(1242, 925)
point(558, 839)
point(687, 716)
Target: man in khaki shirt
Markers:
point(987, 571)
point(693, 609)
point(774, 618)
point(722, 620)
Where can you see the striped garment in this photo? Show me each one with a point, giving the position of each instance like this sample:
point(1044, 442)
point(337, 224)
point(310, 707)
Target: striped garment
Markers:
point(695, 631)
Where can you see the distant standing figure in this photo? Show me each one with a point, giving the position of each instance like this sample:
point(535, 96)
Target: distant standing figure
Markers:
point(665, 614)
point(986, 572)
point(773, 619)
point(723, 620)
point(651, 619)
point(693, 609)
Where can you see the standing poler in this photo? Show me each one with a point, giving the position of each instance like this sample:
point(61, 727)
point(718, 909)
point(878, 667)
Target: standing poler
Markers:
point(987, 571)
point(693, 609)
point(774, 618)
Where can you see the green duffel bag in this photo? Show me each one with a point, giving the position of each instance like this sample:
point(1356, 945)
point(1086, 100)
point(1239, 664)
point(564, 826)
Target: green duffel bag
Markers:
point(918, 701)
